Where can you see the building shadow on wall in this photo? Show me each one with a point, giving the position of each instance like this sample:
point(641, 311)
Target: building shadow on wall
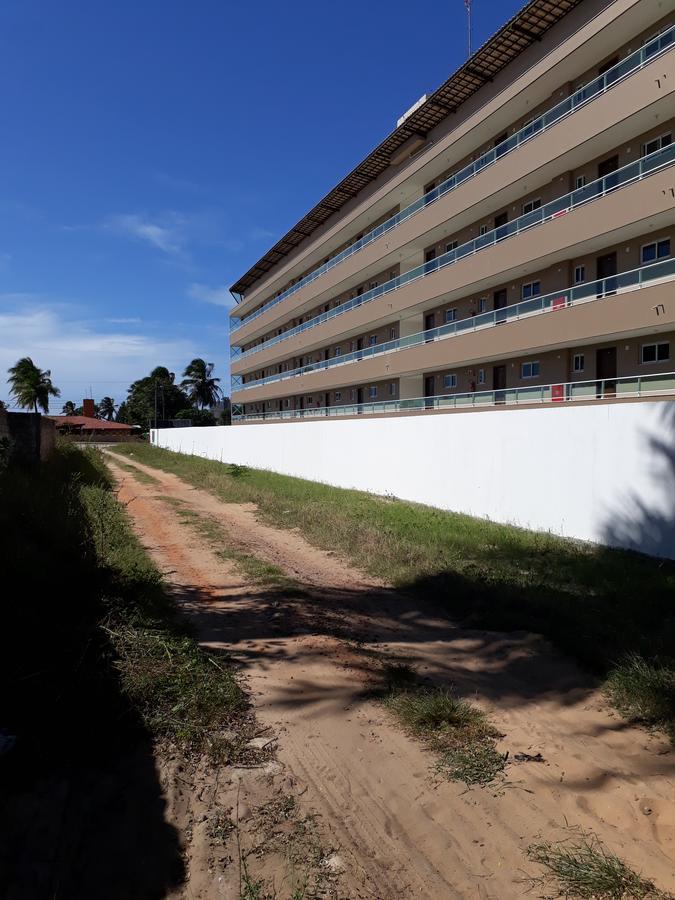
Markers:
point(636, 523)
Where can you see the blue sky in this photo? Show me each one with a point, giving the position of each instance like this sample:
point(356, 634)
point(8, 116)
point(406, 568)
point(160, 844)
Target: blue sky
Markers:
point(152, 150)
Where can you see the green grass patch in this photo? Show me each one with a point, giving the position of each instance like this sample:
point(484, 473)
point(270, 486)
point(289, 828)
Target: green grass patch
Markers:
point(256, 570)
point(594, 603)
point(458, 733)
point(138, 474)
point(582, 868)
point(644, 691)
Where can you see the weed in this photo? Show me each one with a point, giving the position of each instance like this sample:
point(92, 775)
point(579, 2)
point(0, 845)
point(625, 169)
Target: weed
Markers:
point(643, 691)
point(583, 868)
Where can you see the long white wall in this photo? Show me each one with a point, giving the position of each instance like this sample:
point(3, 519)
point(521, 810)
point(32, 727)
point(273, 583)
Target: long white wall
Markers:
point(603, 473)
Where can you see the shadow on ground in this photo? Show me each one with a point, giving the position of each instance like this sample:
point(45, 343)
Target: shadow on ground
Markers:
point(81, 806)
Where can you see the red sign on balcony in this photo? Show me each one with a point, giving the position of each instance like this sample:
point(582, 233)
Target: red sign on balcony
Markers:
point(557, 392)
point(559, 302)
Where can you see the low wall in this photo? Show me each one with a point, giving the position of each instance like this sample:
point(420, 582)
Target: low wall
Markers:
point(601, 472)
point(32, 437)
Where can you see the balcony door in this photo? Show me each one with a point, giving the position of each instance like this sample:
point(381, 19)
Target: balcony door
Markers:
point(499, 383)
point(605, 168)
point(605, 271)
point(429, 391)
point(499, 299)
point(605, 368)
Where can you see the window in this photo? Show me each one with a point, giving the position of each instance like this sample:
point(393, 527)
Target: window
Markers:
point(652, 353)
point(529, 370)
point(352, 394)
point(450, 315)
point(338, 351)
point(287, 403)
point(392, 389)
point(338, 396)
point(578, 363)
point(483, 230)
point(657, 144)
point(532, 289)
point(580, 182)
point(579, 274)
point(352, 346)
point(372, 340)
point(374, 284)
point(430, 255)
point(482, 304)
point(531, 205)
point(450, 381)
point(655, 250)
point(481, 376)
point(392, 334)
point(451, 246)
point(372, 392)
point(309, 399)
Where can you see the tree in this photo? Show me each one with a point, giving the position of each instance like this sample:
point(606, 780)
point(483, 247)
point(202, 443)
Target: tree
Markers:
point(107, 409)
point(31, 386)
point(199, 417)
point(226, 414)
point(68, 408)
point(156, 391)
point(201, 387)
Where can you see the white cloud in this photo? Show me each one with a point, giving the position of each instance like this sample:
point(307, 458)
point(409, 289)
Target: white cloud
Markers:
point(166, 232)
point(81, 354)
point(217, 296)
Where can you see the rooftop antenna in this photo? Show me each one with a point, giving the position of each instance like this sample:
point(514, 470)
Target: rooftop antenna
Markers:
point(467, 3)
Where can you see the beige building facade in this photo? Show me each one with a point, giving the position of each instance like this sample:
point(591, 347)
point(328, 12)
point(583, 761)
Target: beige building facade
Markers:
point(510, 242)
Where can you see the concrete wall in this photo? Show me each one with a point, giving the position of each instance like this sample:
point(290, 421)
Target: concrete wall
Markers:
point(600, 472)
point(32, 437)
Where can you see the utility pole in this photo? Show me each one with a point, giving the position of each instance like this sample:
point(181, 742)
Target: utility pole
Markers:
point(467, 3)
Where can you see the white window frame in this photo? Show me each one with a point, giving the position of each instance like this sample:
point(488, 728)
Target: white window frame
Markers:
point(531, 205)
point(533, 293)
point(482, 230)
point(450, 381)
point(392, 334)
point(579, 274)
point(450, 315)
point(372, 340)
point(667, 137)
point(372, 392)
point(392, 388)
point(655, 345)
point(579, 362)
point(338, 351)
point(482, 377)
point(655, 245)
point(530, 364)
point(451, 245)
point(580, 182)
point(482, 304)
point(338, 396)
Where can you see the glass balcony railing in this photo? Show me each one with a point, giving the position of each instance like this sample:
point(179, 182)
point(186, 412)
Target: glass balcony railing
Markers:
point(632, 63)
point(626, 387)
point(581, 293)
point(594, 190)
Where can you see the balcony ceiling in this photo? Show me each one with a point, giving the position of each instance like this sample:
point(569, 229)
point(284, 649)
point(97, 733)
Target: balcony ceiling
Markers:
point(524, 29)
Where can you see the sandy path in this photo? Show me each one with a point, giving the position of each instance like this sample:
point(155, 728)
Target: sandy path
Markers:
point(401, 834)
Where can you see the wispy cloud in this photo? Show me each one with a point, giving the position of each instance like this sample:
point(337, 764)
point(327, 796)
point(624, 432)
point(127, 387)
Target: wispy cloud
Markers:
point(166, 232)
point(81, 353)
point(204, 293)
point(130, 321)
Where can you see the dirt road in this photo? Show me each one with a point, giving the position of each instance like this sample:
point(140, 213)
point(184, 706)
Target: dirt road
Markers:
point(400, 832)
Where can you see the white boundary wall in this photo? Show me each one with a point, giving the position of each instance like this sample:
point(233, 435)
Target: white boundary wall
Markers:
point(603, 473)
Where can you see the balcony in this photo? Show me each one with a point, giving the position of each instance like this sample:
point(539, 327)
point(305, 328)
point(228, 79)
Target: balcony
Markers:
point(628, 387)
point(631, 64)
point(634, 172)
point(582, 293)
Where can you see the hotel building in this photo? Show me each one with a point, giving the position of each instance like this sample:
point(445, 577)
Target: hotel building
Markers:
point(510, 242)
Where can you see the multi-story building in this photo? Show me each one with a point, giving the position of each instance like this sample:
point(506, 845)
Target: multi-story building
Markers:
point(509, 242)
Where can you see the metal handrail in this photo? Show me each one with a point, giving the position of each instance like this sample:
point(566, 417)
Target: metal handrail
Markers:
point(628, 386)
point(594, 190)
point(587, 292)
point(595, 88)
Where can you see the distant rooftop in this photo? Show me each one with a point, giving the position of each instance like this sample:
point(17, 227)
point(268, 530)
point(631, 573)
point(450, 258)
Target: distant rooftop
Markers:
point(524, 29)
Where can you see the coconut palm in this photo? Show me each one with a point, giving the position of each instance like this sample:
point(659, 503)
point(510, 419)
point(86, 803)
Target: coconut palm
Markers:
point(68, 408)
point(107, 409)
point(200, 386)
point(31, 386)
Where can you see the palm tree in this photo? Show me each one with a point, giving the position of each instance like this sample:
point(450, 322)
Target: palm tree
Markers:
point(107, 409)
point(68, 408)
point(201, 387)
point(31, 386)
